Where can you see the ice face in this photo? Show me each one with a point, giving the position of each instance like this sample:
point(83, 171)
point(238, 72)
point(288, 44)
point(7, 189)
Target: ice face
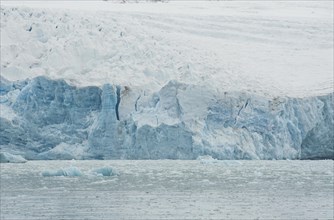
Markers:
point(321, 135)
point(49, 119)
point(10, 158)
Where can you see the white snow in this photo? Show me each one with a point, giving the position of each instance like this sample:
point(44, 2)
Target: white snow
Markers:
point(268, 47)
point(8, 112)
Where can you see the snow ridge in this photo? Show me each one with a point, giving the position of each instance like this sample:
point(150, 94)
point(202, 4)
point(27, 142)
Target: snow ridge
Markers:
point(258, 47)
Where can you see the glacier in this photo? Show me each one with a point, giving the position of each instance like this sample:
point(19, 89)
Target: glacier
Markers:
point(181, 80)
point(43, 118)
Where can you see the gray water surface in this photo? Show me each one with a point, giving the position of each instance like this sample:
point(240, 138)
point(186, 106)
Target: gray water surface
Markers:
point(168, 189)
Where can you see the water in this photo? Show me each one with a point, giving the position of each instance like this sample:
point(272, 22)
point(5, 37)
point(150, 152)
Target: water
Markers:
point(170, 190)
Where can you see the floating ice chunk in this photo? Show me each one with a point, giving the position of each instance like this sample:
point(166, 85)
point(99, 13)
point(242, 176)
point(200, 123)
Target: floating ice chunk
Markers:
point(206, 159)
point(105, 171)
point(10, 158)
point(74, 171)
point(70, 171)
point(258, 173)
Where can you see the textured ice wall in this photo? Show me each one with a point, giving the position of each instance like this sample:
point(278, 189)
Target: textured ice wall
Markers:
point(49, 119)
point(47, 113)
point(10, 158)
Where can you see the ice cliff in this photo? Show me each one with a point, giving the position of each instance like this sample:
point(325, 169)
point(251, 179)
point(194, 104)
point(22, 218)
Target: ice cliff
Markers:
point(9, 158)
point(43, 118)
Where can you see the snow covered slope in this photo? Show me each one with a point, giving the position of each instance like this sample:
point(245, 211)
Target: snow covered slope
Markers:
point(235, 80)
point(276, 48)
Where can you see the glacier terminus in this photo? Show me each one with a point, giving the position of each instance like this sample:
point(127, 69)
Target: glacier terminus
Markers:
point(50, 119)
point(130, 81)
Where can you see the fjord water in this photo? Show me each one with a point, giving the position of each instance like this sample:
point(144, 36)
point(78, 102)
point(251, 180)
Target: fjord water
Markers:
point(169, 189)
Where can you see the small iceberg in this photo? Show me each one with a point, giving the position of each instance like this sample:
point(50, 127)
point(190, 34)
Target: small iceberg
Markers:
point(70, 171)
point(74, 171)
point(206, 159)
point(10, 158)
point(105, 171)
